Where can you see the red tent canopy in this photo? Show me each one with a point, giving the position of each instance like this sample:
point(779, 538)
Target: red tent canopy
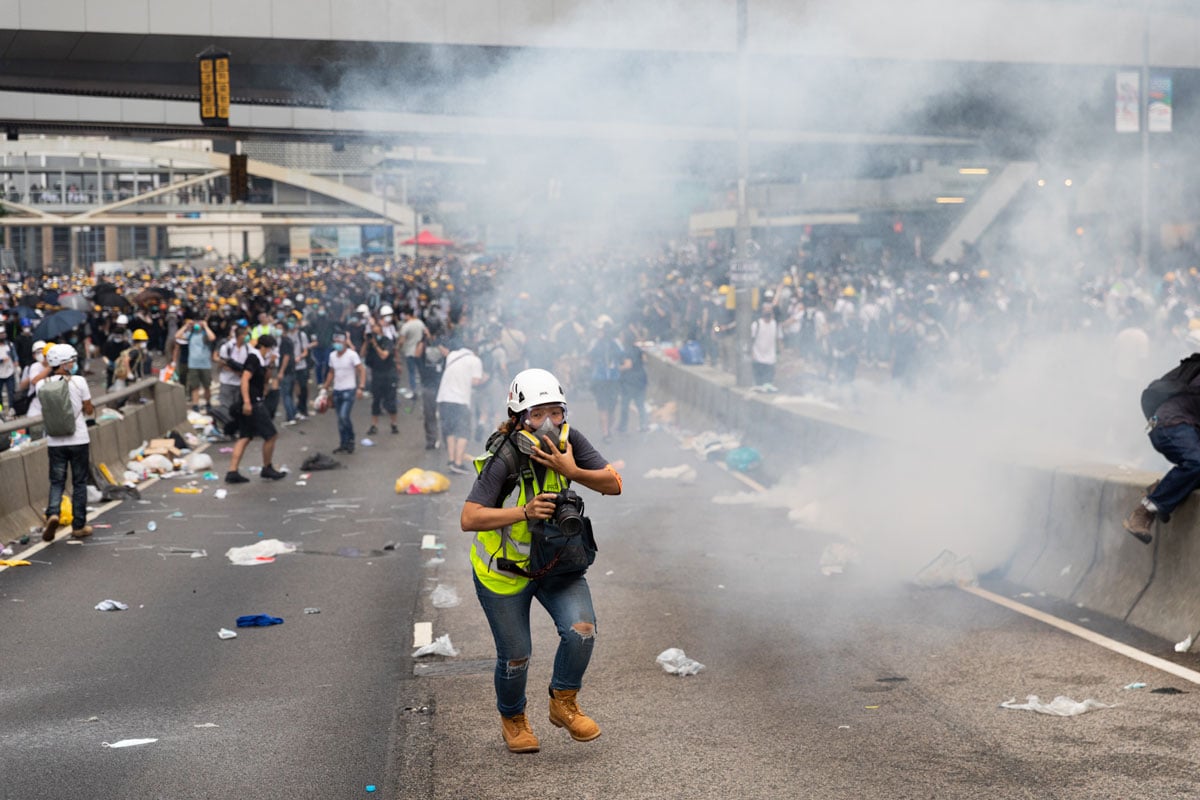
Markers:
point(427, 239)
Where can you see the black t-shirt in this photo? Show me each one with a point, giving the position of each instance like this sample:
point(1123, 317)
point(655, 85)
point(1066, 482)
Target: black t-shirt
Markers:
point(258, 374)
point(287, 350)
point(377, 362)
point(489, 486)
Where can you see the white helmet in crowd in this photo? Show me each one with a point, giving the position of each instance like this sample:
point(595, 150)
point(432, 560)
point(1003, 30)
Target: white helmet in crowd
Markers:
point(122, 319)
point(362, 309)
point(386, 311)
point(60, 354)
point(534, 387)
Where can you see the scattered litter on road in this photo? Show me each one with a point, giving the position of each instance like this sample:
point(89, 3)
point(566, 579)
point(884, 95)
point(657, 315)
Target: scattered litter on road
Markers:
point(1184, 646)
point(610, 572)
point(843, 727)
point(367, 442)
point(444, 597)
point(8, 562)
point(1167, 690)
point(422, 481)
point(302, 483)
point(152, 526)
point(209, 724)
point(389, 545)
point(188, 490)
point(258, 620)
point(370, 787)
point(92, 719)
point(221, 494)
point(129, 742)
point(676, 662)
point(263, 552)
point(743, 459)
point(1134, 685)
point(871, 708)
point(1059, 707)
point(1065, 571)
point(440, 646)
point(225, 633)
point(1027, 594)
point(111, 605)
point(312, 611)
point(685, 473)
point(946, 570)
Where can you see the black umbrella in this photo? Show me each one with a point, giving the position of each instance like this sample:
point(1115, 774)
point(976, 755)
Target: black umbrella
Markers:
point(112, 299)
point(59, 323)
point(23, 312)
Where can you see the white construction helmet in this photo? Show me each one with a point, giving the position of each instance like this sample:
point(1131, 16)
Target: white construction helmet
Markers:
point(386, 311)
point(122, 319)
point(60, 354)
point(534, 387)
point(362, 309)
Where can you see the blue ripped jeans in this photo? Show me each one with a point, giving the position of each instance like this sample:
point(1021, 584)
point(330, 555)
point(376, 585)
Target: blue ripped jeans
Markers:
point(569, 602)
point(343, 404)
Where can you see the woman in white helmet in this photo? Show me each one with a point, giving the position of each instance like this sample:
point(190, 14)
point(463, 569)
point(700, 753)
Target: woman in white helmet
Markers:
point(511, 507)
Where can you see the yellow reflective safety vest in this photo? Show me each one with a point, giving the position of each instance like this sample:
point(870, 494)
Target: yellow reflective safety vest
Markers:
point(491, 545)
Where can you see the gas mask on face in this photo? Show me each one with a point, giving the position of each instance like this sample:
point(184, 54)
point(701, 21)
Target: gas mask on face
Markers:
point(528, 441)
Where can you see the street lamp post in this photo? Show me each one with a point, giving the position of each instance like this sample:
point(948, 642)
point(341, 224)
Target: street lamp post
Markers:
point(741, 275)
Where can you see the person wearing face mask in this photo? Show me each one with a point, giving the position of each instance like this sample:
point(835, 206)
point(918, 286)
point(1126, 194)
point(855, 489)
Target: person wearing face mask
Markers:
point(116, 343)
point(27, 404)
point(293, 365)
point(513, 498)
point(320, 331)
point(232, 356)
point(200, 340)
point(346, 376)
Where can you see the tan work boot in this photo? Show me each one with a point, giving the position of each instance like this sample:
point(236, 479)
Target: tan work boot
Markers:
point(1138, 523)
point(50, 528)
point(565, 713)
point(80, 533)
point(518, 735)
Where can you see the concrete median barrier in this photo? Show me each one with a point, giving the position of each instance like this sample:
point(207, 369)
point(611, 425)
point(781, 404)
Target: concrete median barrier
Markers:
point(1071, 543)
point(17, 514)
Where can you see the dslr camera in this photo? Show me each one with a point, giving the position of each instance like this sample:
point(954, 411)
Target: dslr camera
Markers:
point(568, 512)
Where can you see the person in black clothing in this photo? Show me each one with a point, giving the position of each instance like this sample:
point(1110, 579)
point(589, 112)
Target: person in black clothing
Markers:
point(431, 358)
point(24, 343)
point(255, 422)
point(633, 382)
point(115, 344)
point(1175, 432)
point(378, 352)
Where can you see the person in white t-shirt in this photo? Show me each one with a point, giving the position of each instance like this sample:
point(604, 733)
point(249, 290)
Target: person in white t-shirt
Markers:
point(347, 376)
point(764, 343)
point(462, 373)
point(71, 451)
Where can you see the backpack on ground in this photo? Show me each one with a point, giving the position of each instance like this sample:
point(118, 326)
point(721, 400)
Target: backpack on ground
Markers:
point(319, 461)
point(58, 413)
point(1176, 382)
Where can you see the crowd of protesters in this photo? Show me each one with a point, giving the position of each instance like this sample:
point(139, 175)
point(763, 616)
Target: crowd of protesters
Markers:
point(384, 328)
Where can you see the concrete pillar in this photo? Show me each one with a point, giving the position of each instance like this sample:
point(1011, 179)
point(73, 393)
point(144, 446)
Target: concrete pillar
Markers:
point(152, 233)
point(47, 249)
point(110, 243)
point(73, 250)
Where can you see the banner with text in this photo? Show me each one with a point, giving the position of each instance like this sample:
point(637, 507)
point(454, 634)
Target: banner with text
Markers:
point(1159, 104)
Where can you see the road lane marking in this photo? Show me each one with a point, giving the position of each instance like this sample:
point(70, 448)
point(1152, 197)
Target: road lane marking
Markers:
point(422, 634)
point(1087, 635)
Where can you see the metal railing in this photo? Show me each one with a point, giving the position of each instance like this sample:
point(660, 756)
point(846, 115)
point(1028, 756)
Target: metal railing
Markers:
point(111, 399)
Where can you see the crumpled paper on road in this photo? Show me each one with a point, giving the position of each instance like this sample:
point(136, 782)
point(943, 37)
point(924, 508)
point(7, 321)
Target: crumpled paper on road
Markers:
point(1060, 706)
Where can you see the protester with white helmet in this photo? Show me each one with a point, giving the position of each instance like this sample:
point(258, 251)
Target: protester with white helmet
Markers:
point(513, 508)
point(65, 399)
point(117, 343)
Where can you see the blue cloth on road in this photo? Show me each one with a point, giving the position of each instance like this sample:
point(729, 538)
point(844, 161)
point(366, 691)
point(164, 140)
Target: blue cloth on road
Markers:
point(258, 620)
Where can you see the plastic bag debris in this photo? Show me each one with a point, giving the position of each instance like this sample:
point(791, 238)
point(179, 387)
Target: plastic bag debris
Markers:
point(94, 495)
point(221, 494)
point(263, 552)
point(129, 742)
point(676, 662)
point(444, 597)
point(421, 481)
point(1060, 706)
point(258, 621)
point(111, 605)
point(438, 647)
point(225, 633)
point(710, 442)
point(198, 462)
point(743, 459)
point(946, 570)
point(684, 473)
point(367, 442)
point(11, 563)
point(1167, 690)
point(1134, 685)
point(312, 611)
point(1184, 646)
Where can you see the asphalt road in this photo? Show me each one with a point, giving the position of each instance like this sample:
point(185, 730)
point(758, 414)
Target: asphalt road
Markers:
point(814, 686)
